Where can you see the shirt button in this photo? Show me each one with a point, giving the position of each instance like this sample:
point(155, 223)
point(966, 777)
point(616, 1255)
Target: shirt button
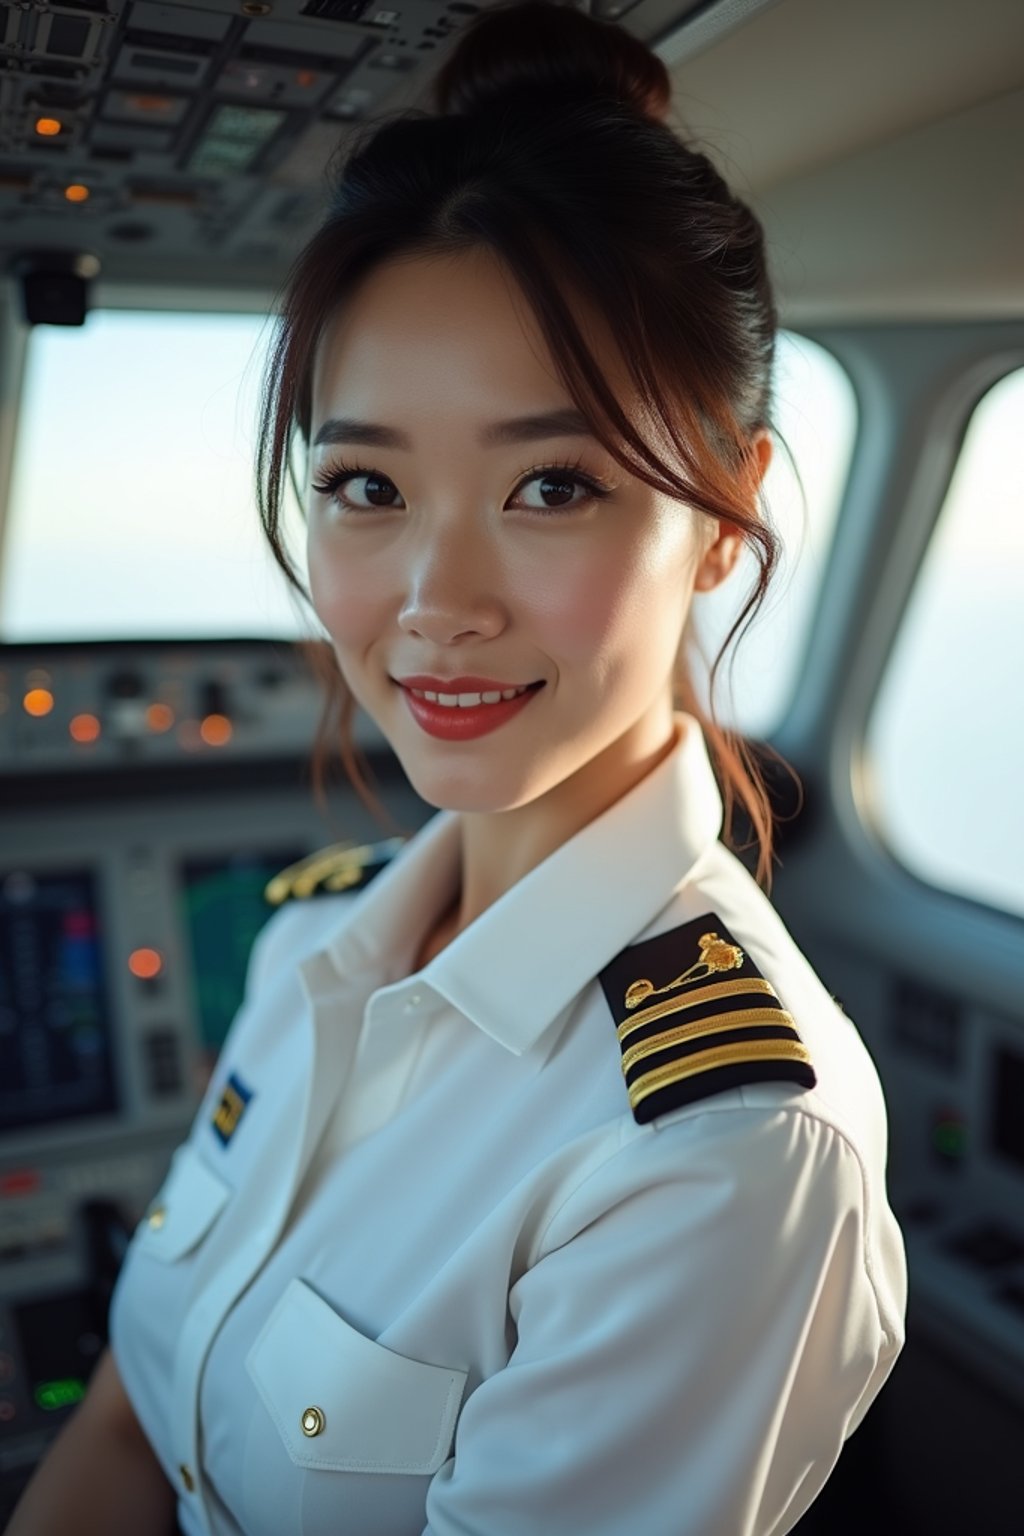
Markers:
point(187, 1478)
point(313, 1422)
point(157, 1217)
point(414, 1002)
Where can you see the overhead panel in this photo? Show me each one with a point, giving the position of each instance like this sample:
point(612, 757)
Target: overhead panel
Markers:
point(222, 105)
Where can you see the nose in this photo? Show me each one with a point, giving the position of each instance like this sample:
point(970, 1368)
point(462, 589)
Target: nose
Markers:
point(452, 585)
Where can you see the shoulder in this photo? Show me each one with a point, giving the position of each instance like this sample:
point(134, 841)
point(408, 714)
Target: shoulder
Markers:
point(736, 1015)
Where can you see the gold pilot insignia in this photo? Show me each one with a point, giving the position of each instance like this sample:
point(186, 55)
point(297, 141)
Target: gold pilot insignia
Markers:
point(341, 867)
point(728, 1026)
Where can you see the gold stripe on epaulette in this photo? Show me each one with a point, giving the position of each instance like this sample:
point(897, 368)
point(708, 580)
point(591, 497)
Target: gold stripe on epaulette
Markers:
point(714, 1025)
point(717, 1056)
point(349, 873)
point(335, 868)
point(295, 879)
point(706, 994)
point(345, 859)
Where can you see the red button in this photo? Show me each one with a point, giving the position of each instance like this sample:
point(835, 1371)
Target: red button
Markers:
point(23, 1181)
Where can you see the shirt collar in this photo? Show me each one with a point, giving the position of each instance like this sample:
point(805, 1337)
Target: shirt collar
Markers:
point(524, 961)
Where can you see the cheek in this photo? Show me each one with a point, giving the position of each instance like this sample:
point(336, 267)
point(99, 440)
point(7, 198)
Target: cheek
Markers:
point(346, 603)
point(609, 600)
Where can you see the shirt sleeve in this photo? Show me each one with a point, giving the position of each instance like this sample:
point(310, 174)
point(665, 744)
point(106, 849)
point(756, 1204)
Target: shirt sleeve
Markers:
point(697, 1339)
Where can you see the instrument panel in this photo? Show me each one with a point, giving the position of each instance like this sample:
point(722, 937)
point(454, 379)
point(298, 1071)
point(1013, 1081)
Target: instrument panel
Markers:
point(134, 857)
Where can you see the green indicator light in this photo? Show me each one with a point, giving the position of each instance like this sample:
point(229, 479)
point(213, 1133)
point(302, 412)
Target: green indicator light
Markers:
point(58, 1394)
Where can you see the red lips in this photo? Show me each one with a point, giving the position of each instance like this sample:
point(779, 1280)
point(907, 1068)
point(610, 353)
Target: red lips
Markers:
point(450, 722)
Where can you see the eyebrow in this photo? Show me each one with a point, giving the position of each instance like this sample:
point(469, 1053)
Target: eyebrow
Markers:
point(565, 422)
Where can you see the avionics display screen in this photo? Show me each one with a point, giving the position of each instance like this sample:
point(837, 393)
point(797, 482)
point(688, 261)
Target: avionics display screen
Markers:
point(56, 1053)
point(224, 910)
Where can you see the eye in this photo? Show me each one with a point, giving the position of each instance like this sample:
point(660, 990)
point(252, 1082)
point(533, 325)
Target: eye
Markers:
point(378, 486)
point(560, 481)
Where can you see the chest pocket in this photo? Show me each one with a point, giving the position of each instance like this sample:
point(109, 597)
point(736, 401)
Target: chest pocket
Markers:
point(189, 1201)
point(343, 1402)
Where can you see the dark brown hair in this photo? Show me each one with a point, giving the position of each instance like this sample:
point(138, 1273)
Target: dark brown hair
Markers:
point(550, 149)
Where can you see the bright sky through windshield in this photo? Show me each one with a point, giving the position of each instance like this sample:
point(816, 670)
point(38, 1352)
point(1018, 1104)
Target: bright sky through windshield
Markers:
point(132, 511)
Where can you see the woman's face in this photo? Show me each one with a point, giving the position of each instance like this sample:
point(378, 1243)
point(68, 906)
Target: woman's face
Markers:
point(453, 550)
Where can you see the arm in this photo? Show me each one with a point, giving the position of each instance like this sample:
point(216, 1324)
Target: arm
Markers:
point(697, 1339)
point(99, 1477)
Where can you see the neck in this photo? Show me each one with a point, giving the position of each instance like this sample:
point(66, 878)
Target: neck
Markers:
point(499, 848)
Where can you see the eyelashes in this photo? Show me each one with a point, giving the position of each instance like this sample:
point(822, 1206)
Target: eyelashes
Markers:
point(331, 481)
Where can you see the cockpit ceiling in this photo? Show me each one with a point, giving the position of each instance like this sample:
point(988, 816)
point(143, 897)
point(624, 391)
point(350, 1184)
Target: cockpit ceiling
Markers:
point(189, 144)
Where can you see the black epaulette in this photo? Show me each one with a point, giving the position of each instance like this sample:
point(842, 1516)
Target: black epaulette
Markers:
point(341, 867)
point(729, 1027)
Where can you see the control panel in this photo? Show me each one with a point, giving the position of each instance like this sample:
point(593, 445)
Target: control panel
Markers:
point(77, 710)
point(953, 1074)
point(149, 793)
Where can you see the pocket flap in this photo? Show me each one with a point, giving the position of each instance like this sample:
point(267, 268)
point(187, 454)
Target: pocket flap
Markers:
point(190, 1198)
point(365, 1408)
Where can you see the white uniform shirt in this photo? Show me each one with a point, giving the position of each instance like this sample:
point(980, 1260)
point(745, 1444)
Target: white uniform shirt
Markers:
point(433, 1277)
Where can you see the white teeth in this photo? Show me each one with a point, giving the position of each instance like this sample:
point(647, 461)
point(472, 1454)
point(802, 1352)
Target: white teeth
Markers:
point(467, 700)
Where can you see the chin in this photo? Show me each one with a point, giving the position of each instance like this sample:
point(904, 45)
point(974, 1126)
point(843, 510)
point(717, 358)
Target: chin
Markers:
point(471, 792)
point(480, 799)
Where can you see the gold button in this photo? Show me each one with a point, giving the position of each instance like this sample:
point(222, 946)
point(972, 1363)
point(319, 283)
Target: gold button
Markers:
point(313, 1422)
point(157, 1216)
point(187, 1478)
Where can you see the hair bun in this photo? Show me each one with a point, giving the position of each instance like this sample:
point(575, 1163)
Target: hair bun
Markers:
point(549, 50)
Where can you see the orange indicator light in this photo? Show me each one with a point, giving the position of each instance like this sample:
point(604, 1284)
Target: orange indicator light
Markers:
point(84, 728)
point(215, 730)
point(38, 702)
point(76, 193)
point(145, 963)
point(47, 127)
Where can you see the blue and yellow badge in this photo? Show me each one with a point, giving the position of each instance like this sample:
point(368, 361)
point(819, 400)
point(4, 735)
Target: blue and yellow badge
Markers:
point(231, 1108)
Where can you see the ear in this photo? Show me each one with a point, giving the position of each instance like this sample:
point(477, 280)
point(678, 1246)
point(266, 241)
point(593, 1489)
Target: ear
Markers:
point(722, 553)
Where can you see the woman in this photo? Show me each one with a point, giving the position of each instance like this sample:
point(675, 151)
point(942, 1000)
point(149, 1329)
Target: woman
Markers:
point(541, 1187)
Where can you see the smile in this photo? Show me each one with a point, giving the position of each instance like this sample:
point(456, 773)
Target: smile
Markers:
point(467, 700)
point(465, 716)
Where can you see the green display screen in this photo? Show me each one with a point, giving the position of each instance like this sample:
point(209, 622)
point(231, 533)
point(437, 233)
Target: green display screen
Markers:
point(224, 909)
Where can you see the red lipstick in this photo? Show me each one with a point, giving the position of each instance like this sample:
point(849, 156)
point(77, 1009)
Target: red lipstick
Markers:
point(451, 722)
